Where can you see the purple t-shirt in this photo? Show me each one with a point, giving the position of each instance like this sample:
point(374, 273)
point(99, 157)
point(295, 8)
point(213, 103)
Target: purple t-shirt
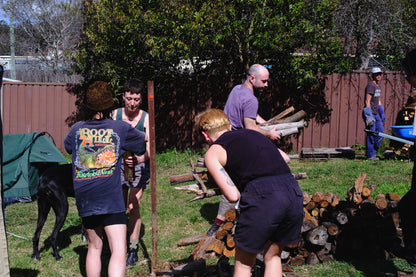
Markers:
point(375, 92)
point(97, 147)
point(241, 103)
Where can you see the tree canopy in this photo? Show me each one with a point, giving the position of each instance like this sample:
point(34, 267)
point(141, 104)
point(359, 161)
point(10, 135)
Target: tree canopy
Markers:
point(161, 39)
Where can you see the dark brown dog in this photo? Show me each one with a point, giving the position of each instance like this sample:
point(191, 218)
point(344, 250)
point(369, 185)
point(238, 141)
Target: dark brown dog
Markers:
point(55, 186)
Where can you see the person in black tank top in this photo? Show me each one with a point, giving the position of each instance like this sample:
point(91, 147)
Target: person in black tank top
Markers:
point(250, 169)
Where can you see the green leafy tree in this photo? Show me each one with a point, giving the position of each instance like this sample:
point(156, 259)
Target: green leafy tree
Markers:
point(161, 40)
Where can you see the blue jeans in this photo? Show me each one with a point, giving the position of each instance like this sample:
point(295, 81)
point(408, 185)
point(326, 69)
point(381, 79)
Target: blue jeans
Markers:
point(373, 142)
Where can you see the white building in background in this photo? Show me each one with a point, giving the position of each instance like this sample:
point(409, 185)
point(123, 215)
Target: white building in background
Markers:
point(22, 63)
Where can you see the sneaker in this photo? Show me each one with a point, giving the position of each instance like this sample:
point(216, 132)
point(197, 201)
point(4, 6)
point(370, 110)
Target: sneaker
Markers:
point(131, 257)
point(214, 228)
point(373, 158)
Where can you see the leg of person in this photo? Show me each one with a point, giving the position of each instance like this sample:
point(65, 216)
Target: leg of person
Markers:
point(116, 235)
point(95, 246)
point(224, 206)
point(135, 222)
point(272, 260)
point(378, 124)
point(370, 141)
point(244, 262)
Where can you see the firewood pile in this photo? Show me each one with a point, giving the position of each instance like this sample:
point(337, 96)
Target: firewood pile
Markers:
point(362, 225)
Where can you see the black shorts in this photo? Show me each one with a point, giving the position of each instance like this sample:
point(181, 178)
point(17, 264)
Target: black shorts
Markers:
point(271, 208)
point(94, 221)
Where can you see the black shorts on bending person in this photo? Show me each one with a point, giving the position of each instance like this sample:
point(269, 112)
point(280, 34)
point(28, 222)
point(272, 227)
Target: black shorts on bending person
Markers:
point(271, 208)
point(94, 221)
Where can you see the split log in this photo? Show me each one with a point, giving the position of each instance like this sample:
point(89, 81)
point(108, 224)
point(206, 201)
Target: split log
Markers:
point(306, 198)
point(341, 217)
point(300, 175)
point(312, 259)
point(327, 199)
point(187, 177)
point(201, 248)
point(311, 205)
point(191, 240)
point(217, 246)
point(358, 188)
point(196, 176)
point(230, 241)
point(221, 233)
point(285, 126)
point(297, 260)
point(280, 115)
point(393, 196)
point(228, 226)
point(230, 215)
point(381, 202)
point(318, 236)
point(293, 118)
point(315, 212)
point(318, 196)
point(228, 252)
point(335, 201)
point(368, 190)
point(331, 228)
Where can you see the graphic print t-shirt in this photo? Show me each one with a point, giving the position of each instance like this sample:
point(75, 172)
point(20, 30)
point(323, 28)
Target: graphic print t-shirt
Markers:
point(96, 148)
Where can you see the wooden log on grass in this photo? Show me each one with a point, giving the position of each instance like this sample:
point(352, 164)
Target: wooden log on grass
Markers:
point(381, 202)
point(191, 239)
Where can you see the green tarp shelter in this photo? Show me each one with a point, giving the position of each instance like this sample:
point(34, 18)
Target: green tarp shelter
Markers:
point(20, 154)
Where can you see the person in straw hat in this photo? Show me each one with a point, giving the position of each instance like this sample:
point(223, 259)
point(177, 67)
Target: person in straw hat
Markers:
point(97, 146)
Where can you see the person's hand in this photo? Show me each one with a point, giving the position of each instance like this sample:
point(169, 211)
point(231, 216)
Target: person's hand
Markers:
point(273, 135)
point(130, 160)
point(369, 118)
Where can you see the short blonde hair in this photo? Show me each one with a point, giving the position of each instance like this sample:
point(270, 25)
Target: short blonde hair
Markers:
point(211, 121)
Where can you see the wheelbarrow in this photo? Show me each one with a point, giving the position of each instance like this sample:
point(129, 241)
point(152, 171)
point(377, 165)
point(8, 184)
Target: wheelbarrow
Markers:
point(403, 133)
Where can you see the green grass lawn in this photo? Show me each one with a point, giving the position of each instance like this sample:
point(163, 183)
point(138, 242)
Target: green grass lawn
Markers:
point(177, 218)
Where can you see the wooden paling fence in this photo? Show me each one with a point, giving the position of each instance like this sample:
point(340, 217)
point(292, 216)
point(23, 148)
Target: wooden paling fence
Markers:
point(43, 107)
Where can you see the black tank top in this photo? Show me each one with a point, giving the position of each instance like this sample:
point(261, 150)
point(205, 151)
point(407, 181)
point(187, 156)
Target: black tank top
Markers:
point(251, 155)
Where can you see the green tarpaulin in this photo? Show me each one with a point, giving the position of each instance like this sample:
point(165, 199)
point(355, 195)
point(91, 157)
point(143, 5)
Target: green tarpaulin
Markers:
point(20, 154)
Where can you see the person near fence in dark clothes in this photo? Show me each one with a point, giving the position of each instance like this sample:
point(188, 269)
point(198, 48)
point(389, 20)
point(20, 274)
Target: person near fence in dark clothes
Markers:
point(97, 146)
point(248, 167)
point(133, 190)
point(407, 204)
point(242, 110)
point(373, 114)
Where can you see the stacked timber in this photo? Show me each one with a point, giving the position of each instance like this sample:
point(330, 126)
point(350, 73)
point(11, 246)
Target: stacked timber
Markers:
point(362, 225)
point(222, 243)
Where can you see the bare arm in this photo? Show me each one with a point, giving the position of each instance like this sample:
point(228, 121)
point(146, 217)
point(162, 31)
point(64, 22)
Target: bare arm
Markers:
point(215, 158)
point(368, 100)
point(146, 155)
point(285, 156)
point(250, 123)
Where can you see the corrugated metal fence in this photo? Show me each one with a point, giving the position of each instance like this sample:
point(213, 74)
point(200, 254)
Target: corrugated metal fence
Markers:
point(38, 107)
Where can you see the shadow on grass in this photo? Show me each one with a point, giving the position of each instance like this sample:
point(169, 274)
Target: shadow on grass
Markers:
point(209, 211)
point(19, 272)
point(64, 239)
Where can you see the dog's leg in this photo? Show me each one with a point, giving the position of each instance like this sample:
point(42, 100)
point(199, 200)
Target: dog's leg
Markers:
point(43, 210)
point(60, 206)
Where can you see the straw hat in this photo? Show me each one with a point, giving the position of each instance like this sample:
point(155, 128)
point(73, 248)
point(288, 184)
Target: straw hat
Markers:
point(99, 97)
